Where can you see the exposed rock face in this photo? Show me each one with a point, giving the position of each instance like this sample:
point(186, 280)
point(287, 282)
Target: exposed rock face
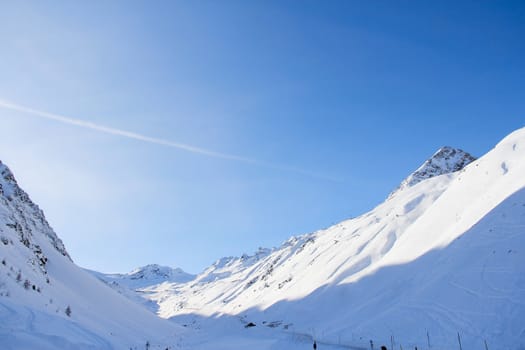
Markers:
point(445, 161)
point(22, 219)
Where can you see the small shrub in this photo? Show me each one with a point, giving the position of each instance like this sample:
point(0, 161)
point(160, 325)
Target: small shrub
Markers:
point(25, 241)
point(27, 284)
point(68, 311)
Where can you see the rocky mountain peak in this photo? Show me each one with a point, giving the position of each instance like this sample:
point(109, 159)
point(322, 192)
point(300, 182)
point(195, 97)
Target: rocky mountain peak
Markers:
point(445, 161)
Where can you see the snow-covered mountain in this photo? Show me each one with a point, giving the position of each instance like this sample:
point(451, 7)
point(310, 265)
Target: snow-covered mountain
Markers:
point(146, 276)
point(442, 257)
point(445, 161)
point(47, 302)
point(136, 284)
point(441, 261)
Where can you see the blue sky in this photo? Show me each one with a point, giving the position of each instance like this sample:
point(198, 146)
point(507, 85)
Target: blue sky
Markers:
point(332, 103)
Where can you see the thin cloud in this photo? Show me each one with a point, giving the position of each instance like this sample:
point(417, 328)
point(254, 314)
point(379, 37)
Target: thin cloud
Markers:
point(136, 136)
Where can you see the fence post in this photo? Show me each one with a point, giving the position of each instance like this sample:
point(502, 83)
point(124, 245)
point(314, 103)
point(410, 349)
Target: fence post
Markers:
point(428, 340)
point(459, 340)
point(486, 346)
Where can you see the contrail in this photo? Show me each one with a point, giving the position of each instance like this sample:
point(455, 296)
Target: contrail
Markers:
point(119, 132)
point(158, 141)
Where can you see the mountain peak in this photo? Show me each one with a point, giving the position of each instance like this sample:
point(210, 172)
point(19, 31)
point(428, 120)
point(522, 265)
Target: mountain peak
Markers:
point(158, 272)
point(8, 183)
point(446, 160)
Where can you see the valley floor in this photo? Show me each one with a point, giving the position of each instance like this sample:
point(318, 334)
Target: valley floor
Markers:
point(223, 334)
point(29, 329)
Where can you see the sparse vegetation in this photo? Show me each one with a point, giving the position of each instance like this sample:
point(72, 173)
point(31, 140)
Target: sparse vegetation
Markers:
point(289, 279)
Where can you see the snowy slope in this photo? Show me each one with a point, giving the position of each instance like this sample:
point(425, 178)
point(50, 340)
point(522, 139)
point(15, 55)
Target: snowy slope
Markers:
point(135, 284)
point(145, 276)
point(443, 254)
point(40, 286)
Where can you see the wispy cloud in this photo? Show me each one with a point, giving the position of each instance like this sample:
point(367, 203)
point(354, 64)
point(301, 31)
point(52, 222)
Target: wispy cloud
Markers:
point(133, 135)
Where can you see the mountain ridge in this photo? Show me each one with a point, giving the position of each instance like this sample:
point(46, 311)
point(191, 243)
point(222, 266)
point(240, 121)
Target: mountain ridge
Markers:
point(440, 257)
point(145, 276)
point(445, 160)
point(417, 224)
point(18, 200)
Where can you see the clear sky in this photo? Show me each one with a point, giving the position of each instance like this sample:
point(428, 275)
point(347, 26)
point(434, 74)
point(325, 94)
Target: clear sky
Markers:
point(178, 132)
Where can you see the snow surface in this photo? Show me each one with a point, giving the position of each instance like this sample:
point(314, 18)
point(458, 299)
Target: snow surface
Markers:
point(443, 257)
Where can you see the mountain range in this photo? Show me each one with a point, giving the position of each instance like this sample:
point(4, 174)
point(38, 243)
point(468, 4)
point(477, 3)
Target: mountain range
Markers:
point(439, 264)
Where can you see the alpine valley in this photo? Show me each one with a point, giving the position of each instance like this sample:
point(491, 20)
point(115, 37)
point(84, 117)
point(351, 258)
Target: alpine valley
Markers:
point(440, 264)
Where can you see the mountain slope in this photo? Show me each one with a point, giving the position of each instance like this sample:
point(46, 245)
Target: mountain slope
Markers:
point(443, 255)
point(47, 302)
point(145, 276)
point(135, 285)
